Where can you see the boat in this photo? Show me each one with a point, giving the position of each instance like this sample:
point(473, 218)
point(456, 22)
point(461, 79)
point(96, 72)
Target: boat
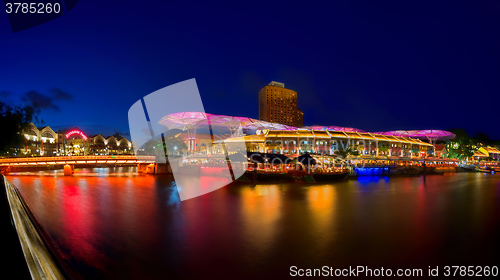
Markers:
point(485, 170)
point(305, 177)
point(292, 176)
point(329, 177)
point(263, 176)
point(272, 176)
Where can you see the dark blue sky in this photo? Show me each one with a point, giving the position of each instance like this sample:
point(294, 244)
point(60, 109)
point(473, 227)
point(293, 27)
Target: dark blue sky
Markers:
point(374, 65)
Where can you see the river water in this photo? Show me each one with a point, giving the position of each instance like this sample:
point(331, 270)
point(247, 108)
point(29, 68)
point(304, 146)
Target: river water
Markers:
point(117, 224)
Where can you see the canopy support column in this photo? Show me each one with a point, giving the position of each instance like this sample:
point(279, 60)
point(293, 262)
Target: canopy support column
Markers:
point(191, 128)
point(297, 145)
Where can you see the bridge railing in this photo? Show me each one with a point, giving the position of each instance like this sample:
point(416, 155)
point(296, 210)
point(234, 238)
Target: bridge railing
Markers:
point(23, 159)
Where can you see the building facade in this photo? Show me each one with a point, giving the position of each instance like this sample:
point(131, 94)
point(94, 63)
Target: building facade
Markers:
point(278, 104)
point(485, 153)
point(44, 141)
point(441, 151)
point(299, 142)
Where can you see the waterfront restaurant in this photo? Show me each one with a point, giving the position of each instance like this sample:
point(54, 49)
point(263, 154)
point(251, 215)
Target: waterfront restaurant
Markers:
point(273, 138)
point(487, 153)
point(44, 141)
point(302, 141)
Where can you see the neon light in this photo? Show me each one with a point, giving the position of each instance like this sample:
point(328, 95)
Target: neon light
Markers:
point(76, 132)
point(370, 171)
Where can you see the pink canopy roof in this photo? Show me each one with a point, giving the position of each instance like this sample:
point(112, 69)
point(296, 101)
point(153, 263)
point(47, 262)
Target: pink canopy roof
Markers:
point(432, 134)
point(333, 128)
point(186, 120)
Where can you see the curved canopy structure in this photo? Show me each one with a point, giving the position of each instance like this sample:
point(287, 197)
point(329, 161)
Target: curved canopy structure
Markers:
point(192, 120)
point(186, 120)
point(431, 134)
point(333, 128)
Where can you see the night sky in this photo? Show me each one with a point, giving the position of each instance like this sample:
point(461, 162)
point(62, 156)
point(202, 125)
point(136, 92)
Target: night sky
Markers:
point(373, 65)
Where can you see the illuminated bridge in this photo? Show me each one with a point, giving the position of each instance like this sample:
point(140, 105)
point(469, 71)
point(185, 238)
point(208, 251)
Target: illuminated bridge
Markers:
point(69, 162)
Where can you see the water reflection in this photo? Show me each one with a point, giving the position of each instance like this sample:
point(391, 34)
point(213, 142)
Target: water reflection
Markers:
point(260, 212)
point(79, 172)
point(135, 227)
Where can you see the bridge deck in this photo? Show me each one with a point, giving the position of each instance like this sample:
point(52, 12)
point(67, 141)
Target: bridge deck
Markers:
point(33, 161)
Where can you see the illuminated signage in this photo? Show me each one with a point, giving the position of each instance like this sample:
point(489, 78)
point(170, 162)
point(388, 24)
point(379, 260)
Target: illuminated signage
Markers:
point(73, 132)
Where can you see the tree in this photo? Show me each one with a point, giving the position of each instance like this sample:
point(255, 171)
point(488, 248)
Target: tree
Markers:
point(70, 148)
point(12, 121)
point(152, 146)
point(462, 146)
point(459, 133)
point(345, 152)
point(172, 143)
point(482, 139)
point(175, 143)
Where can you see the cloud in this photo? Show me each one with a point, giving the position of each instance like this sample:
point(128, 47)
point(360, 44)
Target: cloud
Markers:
point(4, 94)
point(59, 94)
point(40, 101)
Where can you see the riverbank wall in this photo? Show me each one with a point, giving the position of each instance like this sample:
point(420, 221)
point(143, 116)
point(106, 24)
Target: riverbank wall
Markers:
point(40, 254)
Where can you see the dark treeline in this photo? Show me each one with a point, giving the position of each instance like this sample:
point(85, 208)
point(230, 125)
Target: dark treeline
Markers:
point(464, 145)
point(12, 120)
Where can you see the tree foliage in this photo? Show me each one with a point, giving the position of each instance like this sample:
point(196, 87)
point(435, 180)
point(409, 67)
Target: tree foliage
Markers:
point(482, 139)
point(12, 121)
point(346, 152)
point(153, 147)
point(462, 146)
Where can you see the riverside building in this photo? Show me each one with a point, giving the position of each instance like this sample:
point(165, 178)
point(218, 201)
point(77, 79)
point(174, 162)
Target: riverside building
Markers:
point(44, 141)
point(276, 138)
point(278, 104)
